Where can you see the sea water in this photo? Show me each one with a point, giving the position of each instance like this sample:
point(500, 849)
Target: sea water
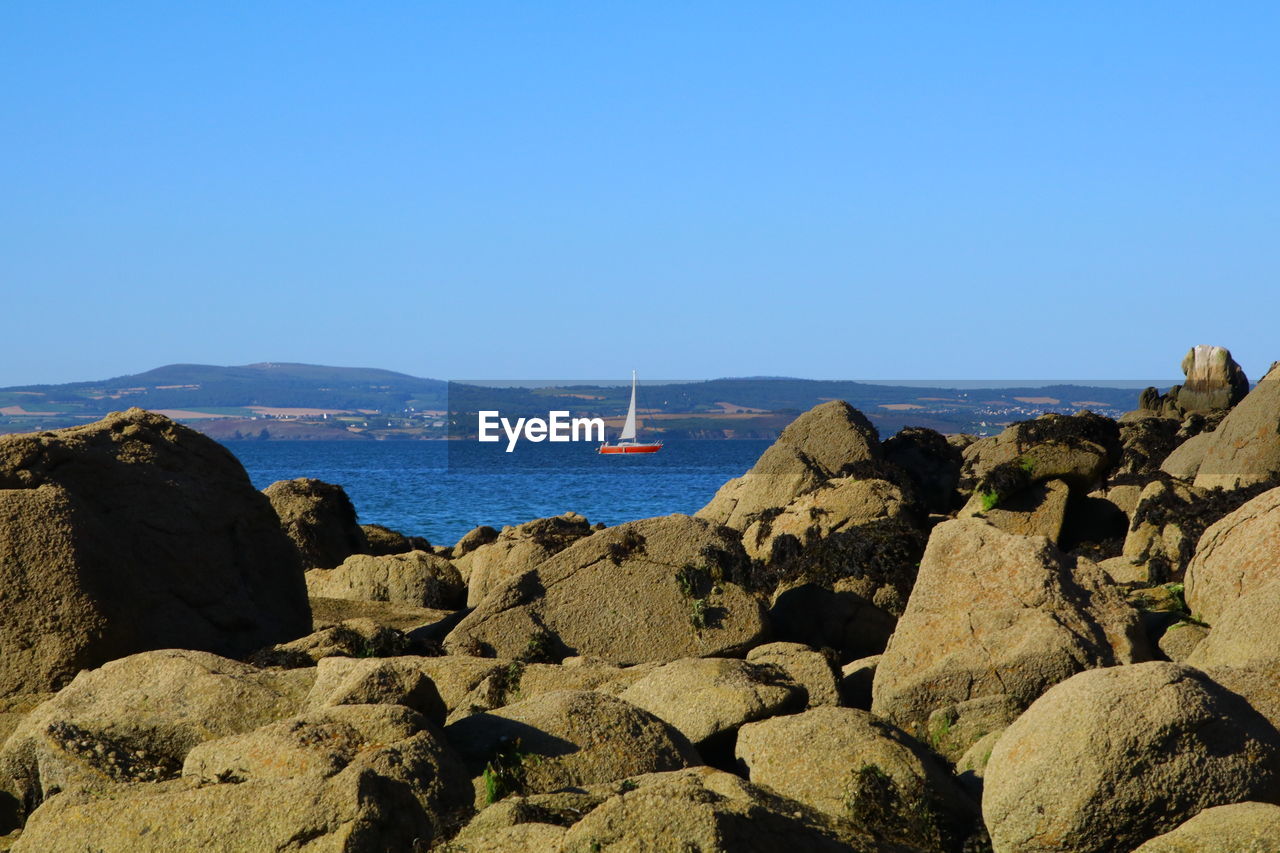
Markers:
point(442, 489)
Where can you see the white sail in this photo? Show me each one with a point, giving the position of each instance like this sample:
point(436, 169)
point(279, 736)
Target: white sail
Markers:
point(629, 428)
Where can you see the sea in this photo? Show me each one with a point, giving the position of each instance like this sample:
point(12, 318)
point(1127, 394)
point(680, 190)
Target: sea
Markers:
point(442, 489)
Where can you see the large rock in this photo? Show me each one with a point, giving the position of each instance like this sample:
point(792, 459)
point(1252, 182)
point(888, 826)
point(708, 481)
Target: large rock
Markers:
point(1184, 461)
point(401, 617)
point(394, 742)
point(707, 698)
point(1146, 444)
point(1246, 445)
point(931, 461)
point(993, 613)
point(1214, 380)
point(877, 560)
point(652, 590)
point(814, 447)
point(1258, 683)
point(564, 738)
point(516, 550)
point(1238, 553)
point(838, 619)
point(134, 533)
point(807, 667)
point(137, 718)
point(705, 809)
point(376, 681)
point(849, 764)
point(1173, 743)
point(352, 638)
point(1078, 449)
point(355, 779)
point(1038, 510)
point(954, 729)
point(1163, 530)
point(836, 506)
point(1245, 632)
point(319, 518)
point(380, 540)
point(416, 579)
point(1243, 827)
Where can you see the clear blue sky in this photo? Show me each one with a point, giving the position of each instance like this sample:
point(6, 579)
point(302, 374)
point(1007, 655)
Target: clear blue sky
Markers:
point(854, 190)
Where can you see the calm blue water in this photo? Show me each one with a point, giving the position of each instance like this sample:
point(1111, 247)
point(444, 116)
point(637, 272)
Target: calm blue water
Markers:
point(441, 490)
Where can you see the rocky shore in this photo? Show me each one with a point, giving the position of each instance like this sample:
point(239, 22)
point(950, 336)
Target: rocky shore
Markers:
point(1059, 638)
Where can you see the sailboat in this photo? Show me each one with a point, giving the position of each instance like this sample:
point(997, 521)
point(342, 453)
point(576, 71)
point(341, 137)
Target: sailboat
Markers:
point(627, 438)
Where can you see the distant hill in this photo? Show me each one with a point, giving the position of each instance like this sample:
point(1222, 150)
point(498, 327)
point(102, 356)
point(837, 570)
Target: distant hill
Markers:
point(251, 401)
point(270, 384)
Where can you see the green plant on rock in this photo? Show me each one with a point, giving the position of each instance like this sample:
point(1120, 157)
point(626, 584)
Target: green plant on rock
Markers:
point(1005, 479)
point(1176, 592)
point(539, 649)
point(698, 613)
point(941, 727)
point(504, 774)
point(507, 682)
point(695, 585)
point(874, 799)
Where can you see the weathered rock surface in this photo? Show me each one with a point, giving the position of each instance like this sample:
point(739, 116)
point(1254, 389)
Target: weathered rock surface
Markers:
point(1078, 449)
point(473, 539)
point(1236, 554)
point(850, 764)
point(1113, 757)
point(1163, 530)
point(136, 718)
point(814, 447)
point(353, 638)
point(1183, 462)
point(457, 676)
point(517, 680)
point(705, 809)
point(518, 838)
point(319, 518)
point(1180, 639)
point(703, 698)
point(381, 540)
point(932, 462)
point(562, 739)
point(993, 613)
point(838, 619)
point(1258, 683)
point(335, 788)
point(810, 669)
point(402, 617)
point(1245, 632)
point(1246, 445)
point(1038, 510)
point(134, 533)
point(375, 681)
point(416, 579)
point(1243, 827)
point(516, 550)
point(1214, 380)
point(395, 743)
point(836, 506)
point(856, 678)
point(651, 590)
point(1145, 444)
point(954, 729)
point(972, 766)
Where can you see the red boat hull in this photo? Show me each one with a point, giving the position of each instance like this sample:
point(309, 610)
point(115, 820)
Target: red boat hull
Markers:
point(630, 448)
